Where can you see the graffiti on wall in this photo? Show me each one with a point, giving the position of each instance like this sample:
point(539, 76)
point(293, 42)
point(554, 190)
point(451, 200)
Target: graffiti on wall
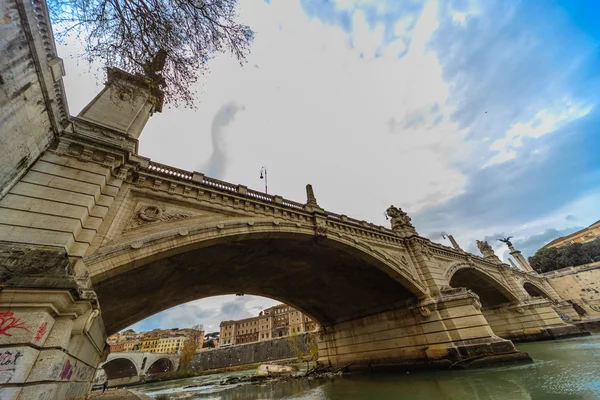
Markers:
point(8, 322)
point(8, 364)
point(67, 371)
point(564, 317)
point(41, 331)
point(595, 307)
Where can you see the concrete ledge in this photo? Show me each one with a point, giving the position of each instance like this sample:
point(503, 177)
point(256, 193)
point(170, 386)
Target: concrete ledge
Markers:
point(480, 361)
point(547, 333)
point(588, 325)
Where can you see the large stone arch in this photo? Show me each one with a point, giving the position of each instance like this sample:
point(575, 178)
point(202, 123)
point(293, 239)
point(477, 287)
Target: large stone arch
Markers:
point(490, 290)
point(286, 262)
point(160, 366)
point(120, 368)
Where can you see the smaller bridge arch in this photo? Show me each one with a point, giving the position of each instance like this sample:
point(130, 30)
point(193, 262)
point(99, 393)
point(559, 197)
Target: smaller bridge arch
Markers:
point(535, 291)
point(120, 368)
point(160, 366)
point(490, 290)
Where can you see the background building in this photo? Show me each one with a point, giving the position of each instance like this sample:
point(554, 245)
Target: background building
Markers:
point(588, 234)
point(155, 341)
point(274, 322)
point(227, 334)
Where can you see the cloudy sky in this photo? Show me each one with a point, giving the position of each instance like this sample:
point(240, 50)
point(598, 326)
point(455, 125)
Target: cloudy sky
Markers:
point(478, 118)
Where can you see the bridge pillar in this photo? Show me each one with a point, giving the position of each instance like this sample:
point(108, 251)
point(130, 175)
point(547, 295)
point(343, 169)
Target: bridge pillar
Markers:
point(51, 331)
point(51, 344)
point(531, 320)
point(446, 331)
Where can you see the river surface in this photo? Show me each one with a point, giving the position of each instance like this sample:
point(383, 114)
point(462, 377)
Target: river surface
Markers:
point(563, 369)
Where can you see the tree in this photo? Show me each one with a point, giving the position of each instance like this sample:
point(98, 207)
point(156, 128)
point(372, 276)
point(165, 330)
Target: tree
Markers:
point(572, 255)
point(189, 347)
point(305, 346)
point(176, 37)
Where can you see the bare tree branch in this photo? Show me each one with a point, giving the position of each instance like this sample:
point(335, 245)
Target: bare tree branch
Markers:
point(130, 34)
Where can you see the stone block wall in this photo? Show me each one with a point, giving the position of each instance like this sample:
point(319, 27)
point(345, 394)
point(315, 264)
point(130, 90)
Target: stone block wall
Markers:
point(523, 321)
point(61, 201)
point(252, 353)
point(49, 351)
point(581, 285)
point(32, 104)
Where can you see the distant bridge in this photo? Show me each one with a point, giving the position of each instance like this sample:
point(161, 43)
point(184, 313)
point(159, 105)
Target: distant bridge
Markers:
point(130, 368)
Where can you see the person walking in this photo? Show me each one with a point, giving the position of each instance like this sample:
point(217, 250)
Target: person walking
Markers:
point(105, 386)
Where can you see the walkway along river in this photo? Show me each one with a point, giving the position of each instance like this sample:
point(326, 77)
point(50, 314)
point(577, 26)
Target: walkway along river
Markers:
point(563, 369)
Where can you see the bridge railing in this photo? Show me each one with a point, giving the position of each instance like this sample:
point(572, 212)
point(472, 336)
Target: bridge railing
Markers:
point(169, 171)
point(189, 177)
point(260, 195)
point(215, 183)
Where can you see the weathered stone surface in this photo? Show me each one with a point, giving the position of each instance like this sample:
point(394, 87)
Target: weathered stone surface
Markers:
point(16, 363)
point(21, 263)
point(252, 353)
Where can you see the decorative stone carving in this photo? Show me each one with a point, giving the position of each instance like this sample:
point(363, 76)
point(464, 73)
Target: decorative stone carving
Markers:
point(321, 228)
point(153, 213)
point(425, 250)
point(401, 222)
point(520, 310)
point(150, 213)
point(425, 311)
point(485, 248)
point(123, 173)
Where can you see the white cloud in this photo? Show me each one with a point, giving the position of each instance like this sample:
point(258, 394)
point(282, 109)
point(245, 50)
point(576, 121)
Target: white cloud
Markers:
point(544, 122)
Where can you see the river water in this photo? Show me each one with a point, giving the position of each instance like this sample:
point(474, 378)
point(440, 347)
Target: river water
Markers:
point(563, 369)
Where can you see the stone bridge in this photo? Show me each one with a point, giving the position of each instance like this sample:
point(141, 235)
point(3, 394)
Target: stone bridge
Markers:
point(131, 368)
point(95, 237)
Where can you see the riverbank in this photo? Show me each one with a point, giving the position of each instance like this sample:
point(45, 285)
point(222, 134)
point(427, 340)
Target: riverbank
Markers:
point(173, 375)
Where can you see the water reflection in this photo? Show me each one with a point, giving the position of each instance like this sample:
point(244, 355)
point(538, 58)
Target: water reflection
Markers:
point(565, 369)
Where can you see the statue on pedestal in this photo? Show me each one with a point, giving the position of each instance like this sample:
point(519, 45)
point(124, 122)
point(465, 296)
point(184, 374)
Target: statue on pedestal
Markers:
point(507, 241)
point(401, 222)
point(485, 248)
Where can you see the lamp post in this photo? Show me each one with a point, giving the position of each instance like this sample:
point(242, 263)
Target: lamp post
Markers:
point(263, 175)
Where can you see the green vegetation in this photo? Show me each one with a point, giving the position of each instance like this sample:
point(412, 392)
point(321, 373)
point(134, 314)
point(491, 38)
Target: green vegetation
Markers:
point(305, 346)
point(189, 348)
point(554, 258)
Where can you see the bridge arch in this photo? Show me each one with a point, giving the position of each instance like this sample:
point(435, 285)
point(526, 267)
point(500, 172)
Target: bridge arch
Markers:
point(535, 291)
point(145, 274)
point(119, 368)
point(491, 292)
point(160, 366)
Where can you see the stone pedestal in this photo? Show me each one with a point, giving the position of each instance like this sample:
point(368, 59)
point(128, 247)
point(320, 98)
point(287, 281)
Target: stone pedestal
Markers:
point(448, 331)
point(520, 259)
point(51, 344)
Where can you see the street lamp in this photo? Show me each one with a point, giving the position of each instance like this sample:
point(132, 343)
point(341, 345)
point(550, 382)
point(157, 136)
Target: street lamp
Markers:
point(264, 170)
